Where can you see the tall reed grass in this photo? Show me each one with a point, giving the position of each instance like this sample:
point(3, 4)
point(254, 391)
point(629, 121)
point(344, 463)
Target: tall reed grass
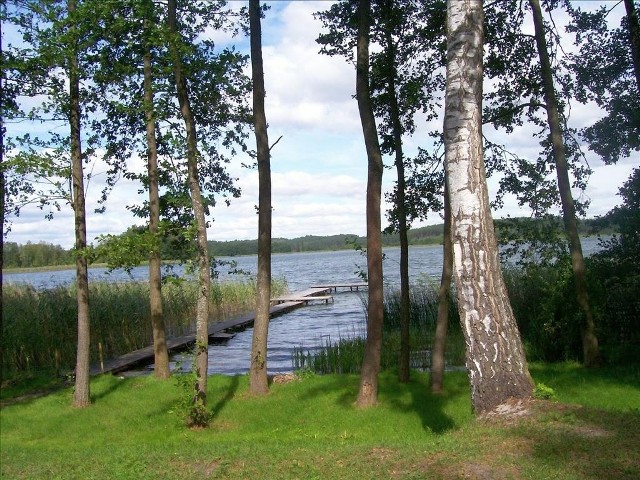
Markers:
point(345, 355)
point(40, 326)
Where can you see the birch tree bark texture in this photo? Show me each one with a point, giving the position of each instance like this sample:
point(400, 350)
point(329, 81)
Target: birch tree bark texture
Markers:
point(495, 357)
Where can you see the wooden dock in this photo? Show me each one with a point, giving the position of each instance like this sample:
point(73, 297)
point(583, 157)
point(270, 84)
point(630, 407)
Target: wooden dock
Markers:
point(218, 331)
point(351, 286)
point(306, 296)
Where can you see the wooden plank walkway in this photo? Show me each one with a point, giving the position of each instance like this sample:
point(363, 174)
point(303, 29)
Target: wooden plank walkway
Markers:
point(145, 356)
point(351, 286)
point(306, 296)
point(306, 300)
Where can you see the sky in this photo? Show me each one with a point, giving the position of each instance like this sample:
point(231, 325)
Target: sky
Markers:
point(319, 166)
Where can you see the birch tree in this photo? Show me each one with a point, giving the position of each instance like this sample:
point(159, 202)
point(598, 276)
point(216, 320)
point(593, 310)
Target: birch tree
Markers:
point(495, 357)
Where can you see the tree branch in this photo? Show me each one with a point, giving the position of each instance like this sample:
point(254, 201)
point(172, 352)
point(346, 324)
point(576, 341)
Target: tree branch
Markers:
point(514, 110)
point(275, 143)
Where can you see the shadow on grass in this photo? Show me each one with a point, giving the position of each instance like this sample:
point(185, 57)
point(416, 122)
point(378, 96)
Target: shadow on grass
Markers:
point(345, 383)
point(413, 397)
point(230, 393)
point(430, 408)
point(571, 373)
point(100, 391)
point(586, 443)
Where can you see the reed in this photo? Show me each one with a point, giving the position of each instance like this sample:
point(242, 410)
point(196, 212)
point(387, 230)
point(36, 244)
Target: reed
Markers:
point(39, 326)
point(345, 355)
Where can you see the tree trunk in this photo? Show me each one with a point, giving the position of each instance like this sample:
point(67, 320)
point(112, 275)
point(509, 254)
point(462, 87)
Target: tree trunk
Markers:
point(444, 293)
point(495, 358)
point(258, 384)
point(81, 394)
point(2, 218)
point(204, 280)
point(634, 36)
point(590, 348)
point(161, 355)
point(368, 392)
point(404, 367)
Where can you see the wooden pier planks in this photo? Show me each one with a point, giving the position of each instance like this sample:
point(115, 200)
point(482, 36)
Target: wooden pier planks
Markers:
point(293, 298)
point(310, 294)
point(145, 356)
point(351, 286)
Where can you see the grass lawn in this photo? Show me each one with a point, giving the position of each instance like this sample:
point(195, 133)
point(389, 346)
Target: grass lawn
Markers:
point(309, 428)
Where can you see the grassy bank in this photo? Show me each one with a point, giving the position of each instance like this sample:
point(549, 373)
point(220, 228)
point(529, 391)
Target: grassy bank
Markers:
point(39, 326)
point(309, 429)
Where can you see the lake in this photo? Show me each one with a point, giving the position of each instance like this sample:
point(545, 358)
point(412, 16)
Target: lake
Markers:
point(309, 326)
point(317, 323)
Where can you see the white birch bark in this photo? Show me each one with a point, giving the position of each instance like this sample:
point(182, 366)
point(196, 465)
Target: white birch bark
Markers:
point(495, 357)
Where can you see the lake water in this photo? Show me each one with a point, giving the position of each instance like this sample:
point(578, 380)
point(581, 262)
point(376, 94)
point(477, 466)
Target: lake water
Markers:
point(315, 324)
point(309, 326)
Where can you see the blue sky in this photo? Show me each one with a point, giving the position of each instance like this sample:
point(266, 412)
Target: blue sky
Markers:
point(319, 166)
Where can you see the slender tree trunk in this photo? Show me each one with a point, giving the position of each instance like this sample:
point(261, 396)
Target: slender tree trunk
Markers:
point(634, 35)
point(444, 293)
point(590, 348)
point(404, 367)
point(2, 194)
point(495, 357)
point(161, 355)
point(368, 392)
point(2, 198)
point(258, 384)
point(81, 394)
point(204, 280)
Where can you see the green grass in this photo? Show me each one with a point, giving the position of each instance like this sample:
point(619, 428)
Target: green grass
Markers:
point(309, 428)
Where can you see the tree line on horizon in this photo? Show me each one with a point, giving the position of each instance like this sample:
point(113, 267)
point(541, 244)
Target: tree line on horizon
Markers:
point(44, 254)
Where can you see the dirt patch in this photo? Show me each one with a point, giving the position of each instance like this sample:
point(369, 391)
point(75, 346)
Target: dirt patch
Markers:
point(480, 471)
point(284, 378)
point(206, 469)
point(510, 411)
point(379, 454)
point(588, 431)
point(202, 469)
point(450, 466)
point(585, 430)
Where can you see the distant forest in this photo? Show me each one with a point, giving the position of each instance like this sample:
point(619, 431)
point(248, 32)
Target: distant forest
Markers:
point(431, 235)
point(34, 255)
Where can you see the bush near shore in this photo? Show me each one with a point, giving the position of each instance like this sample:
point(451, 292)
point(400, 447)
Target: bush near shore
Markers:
point(544, 304)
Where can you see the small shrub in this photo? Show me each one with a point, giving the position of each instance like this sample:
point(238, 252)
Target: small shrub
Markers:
point(190, 408)
point(543, 392)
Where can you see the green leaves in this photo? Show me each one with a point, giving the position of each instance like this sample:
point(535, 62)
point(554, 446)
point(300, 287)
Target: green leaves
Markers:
point(603, 69)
